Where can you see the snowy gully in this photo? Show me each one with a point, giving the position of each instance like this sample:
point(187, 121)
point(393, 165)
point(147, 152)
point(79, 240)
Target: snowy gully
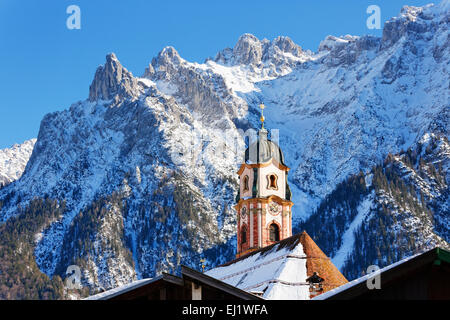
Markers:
point(229, 310)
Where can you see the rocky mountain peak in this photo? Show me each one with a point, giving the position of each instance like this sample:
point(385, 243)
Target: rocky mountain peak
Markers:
point(112, 58)
point(165, 65)
point(285, 44)
point(251, 51)
point(248, 50)
point(168, 56)
point(414, 22)
point(111, 80)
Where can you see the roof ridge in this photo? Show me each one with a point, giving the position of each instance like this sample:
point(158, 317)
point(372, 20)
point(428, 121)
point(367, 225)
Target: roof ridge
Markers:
point(263, 250)
point(288, 255)
point(305, 238)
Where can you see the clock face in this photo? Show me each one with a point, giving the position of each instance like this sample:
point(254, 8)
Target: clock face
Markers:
point(274, 208)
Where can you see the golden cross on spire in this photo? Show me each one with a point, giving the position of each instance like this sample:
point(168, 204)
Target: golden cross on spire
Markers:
point(203, 265)
point(262, 106)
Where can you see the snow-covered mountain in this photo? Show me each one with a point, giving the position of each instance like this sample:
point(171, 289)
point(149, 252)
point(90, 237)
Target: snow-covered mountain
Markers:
point(13, 161)
point(144, 170)
point(401, 206)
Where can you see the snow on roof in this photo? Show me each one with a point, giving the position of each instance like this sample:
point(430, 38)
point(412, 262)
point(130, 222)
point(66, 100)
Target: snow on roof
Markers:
point(353, 283)
point(280, 270)
point(122, 289)
point(280, 274)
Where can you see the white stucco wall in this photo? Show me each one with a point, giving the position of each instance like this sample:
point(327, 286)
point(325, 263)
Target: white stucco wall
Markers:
point(263, 182)
point(249, 173)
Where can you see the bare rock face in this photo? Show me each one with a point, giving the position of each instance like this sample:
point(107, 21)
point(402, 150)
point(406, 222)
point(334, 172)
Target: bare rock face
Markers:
point(342, 50)
point(165, 66)
point(192, 87)
point(248, 50)
point(285, 44)
point(149, 71)
point(169, 55)
point(274, 58)
point(112, 80)
point(412, 20)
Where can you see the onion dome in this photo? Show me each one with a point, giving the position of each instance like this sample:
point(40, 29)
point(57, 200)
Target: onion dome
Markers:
point(263, 150)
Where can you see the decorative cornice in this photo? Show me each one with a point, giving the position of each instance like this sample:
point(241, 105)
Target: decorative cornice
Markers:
point(272, 198)
point(263, 165)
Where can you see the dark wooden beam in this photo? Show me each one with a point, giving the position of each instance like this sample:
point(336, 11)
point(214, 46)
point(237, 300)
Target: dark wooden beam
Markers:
point(202, 278)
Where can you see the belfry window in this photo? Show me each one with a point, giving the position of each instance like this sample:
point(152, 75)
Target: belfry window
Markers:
point(272, 182)
point(246, 188)
point(244, 235)
point(274, 232)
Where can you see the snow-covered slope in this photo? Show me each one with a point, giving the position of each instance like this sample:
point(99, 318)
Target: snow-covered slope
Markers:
point(14, 160)
point(150, 162)
point(397, 209)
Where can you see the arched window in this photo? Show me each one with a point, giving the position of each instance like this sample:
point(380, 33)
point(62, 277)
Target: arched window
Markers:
point(244, 234)
point(272, 182)
point(274, 232)
point(246, 188)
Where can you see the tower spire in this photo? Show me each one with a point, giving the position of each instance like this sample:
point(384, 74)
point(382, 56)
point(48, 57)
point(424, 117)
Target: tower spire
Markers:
point(262, 106)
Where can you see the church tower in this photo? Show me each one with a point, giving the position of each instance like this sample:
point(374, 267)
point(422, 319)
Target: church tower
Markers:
point(264, 198)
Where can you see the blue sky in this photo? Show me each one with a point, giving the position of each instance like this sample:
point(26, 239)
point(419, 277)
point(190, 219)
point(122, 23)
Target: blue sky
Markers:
point(45, 67)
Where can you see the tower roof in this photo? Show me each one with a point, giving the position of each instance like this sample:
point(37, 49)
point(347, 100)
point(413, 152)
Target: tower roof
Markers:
point(281, 270)
point(263, 150)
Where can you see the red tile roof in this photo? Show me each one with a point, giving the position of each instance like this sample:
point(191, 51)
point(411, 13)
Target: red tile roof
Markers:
point(318, 262)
